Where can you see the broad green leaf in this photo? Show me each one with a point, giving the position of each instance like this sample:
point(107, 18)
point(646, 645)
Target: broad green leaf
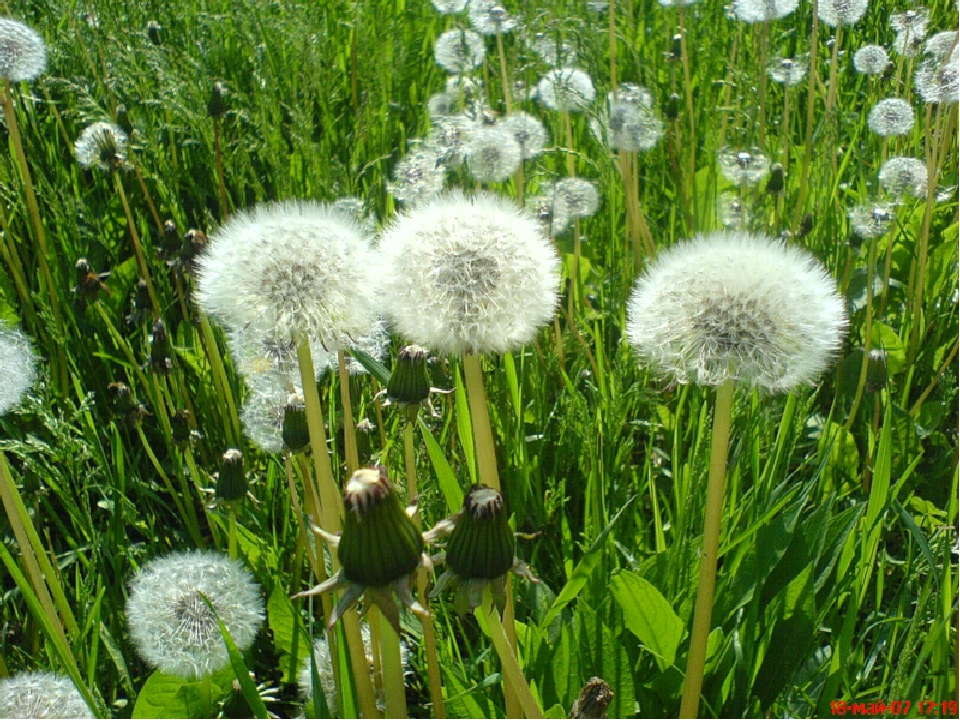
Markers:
point(449, 485)
point(603, 655)
point(168, 696)
point(649, 616)
point(289, 637)
point(371, 365)
point(885, 338)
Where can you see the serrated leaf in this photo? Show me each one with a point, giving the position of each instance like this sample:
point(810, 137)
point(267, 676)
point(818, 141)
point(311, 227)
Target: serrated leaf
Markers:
point(649, 616)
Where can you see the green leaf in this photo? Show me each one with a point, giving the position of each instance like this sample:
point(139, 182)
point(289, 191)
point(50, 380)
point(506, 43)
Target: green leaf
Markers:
point(884, 337)
point(649, 616)
point(371, 365)
point(289, 636)
point(445, 475)
point(465, 425)
point(168, 696)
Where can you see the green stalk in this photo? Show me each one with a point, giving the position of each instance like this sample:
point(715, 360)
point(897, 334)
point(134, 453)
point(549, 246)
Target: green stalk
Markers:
point(688, 88)
point(713, 515)
point(232, 426)
point(137, 247)
point(221, 181)
point(612, 33)
point(508, 660)
point(867, 334)
point(349, 426)
point(504, 75)
point(232, 542)
point(392, 672)
point(206, 695)
point(811, 101)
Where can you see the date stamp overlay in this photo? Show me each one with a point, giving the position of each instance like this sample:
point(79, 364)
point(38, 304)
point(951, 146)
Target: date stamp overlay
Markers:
point(894, 708)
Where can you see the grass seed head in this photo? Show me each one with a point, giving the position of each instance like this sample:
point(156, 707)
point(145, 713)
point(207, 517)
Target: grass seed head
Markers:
point(18, 367)
point(23, 54)
point(171, 626)
point(733, 305)
point(41, 695)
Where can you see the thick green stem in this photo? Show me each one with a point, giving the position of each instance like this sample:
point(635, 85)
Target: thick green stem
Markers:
point(221, 180)
point(349, 426)
point(232, 425)
point(480, 418)
point(867, 334)
point(811, 101)
point(713, 515)
point(504, 75)
point(508, 660)
point(392, 672)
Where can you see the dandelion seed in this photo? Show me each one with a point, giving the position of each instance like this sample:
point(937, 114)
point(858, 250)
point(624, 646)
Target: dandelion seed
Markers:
point(528, 131)
point(459, 51)
point(577, 198)
point(489, 17)
point(493, 154)
point(871, 60)
point(901, 175)
point(23, 55)
point(911, 27)
point(737, 306)
point(566, 89)
point(102, 145)
point(938, 76)
point(291, 270)
point(872, 221)
point(841, 12)
point(891, 116)
point(449, 7)
point(755, 11)
point(41, 695)
point(172, 627)
point(742, 167)
point(468, 274)
point(418, 177)
point(553, 51)
point(788, 71)
point(18, 367)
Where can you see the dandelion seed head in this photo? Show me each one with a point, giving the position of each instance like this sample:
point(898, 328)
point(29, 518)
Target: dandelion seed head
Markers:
point(871, 60)
point(449, 7)
point(741, 166)
point(755, 11)
point(731, 212)
point(292, 269)
point(553, 218)
point(23, 54)
point(493, 154)
point(528, 131)
point(788, 71)
point(911, 27)
point(171, 626)
point(733, 305)
point(632, 126)
point(872, 220)
point(891, 116)
point(576, 197)
point(678, 3)
point(489, 17)
point(41, 695)
point(937, 78)
point(450, 137)
point(902, 175)
point(459, 51)
point(418, 177)
point(841, 12)
point(566, 89)
point(102, 145)
point(553, 51)
point(468, 274)
point(263, 410)
point(18, 367)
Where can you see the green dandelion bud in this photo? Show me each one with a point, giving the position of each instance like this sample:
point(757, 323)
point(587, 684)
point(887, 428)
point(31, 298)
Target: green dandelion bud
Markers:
point(217, 105)
point(296, 436)
point(160, 349)
point(380, 544)
point(232, 481)
point(672, 110)
point(482, 544)
point(180, 428)
point(123, 119)
point(775, 183)
point(876, 370)
point(409, 383)
point(153, 32)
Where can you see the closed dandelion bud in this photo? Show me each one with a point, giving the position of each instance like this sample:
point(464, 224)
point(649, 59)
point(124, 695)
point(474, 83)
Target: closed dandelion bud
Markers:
point(123, 119)
point(160, 349)
point(806, 226)
point(409, 383)
point(775, 183)
point(217, 105)
point(193, 243)
point(141, 304)
point(296, 436)
point(379, 544)
point(676, 47)
point(232, 482)
point(482, 544)
point(153, 32)
point(672, 109)
point(170, 246)
point(180, 428)
point(876, 370)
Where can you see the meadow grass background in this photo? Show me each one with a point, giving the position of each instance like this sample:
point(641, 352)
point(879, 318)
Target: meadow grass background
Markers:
point(826, 590)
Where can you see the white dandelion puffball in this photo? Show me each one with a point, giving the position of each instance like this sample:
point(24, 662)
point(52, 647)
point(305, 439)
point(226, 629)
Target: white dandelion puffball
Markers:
point(493, 154)
point(459, 51)
point(449, 7)
point(757, 11)
point(740, 166)
point(737, 306)
point(902, 175)
point(443, 105)
point(788, 71)
point(102, 145)
point(41, 695)
point(566, 89)
point(419, 176)
point(937, 78)
point(490, 18)
point(295, 269)
point(911, 28)
point(632, 127)
point(174, 629)
point(263, 411)
point(576, 197)
point(449, 138)
point(871, 220)
point(23, 55)
point(468, 274)
point(841, 12)
point(528, 131)
point(18, 367)
point(891, 116)
point(552, 50)
point(553, 217)
point(871, 60)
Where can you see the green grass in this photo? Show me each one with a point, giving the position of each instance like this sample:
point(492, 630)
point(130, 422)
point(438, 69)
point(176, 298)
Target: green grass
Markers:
point(825, 591)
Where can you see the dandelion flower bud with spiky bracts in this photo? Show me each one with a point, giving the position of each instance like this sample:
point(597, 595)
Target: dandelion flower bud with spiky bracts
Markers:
point(871, 60)
point(493, 154)
point(841, 12)
point(788, 71)
point(758, 11)
point(102, 145)
point(480, 550)
point(290, 270)
point(459, 51)
point(174, 629)
point(891, 116)
point(232, 483)
point(18, 367)
point(901, 175)
point(737, 306)
point(468, 273)
point(379, 549)
point(409, 382)
point(566, 89)
point(23, 55)
point(41, 695)
point(740, 166)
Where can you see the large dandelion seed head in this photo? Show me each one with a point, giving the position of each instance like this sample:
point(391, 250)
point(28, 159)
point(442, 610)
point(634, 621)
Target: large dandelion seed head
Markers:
point(490, 18)
point(756, 11)
point(872, 220)
point(468, 274)
point(23, 55)
point(788, 71)
point(293, 269)
point(737, 306)
point(566, 89)
point(937, 79)
point(903, 175)
point(632, 126)
point(18, 367)
point(174, 629)
point(841, 12)
point(552, 217)
point(450, 137)
point(41, 695)
point(459, 51)
point(871, 60)
point(891, 116)
point(102, 145)
point(742, 166)
point(576, 197)
point(552, 50)
point(418, 177)
point(911, 28)
point(528, 131)
point(493, 154)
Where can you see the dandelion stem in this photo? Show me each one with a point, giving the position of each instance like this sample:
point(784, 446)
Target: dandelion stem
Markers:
point(713, 516)
point(349, 426)
point(137, 248)
point(688, 91)
point(232, 424)
point(504, 75)
point(232, 542)
point(206, 695)
point(764, 32)
point(221, 180)
point(811, 101)
point(392, 672)
point(508, 660)
point(612, 10)
point(480, 417)
point(867, 334)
